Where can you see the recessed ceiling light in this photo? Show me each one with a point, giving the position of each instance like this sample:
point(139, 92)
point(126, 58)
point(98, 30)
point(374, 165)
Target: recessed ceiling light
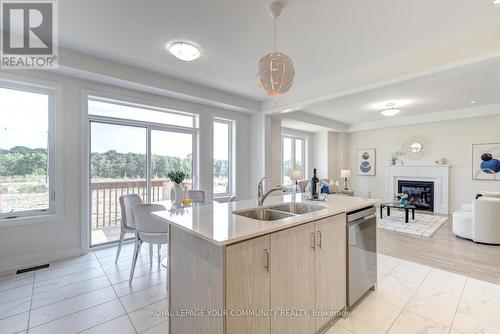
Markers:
point(474, 101)
point(391, 110)
point(184, 51)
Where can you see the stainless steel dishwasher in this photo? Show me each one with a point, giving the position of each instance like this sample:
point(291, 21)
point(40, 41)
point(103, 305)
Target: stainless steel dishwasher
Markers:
point(361, 254)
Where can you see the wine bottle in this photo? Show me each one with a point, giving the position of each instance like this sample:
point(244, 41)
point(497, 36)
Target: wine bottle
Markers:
point(314, 185)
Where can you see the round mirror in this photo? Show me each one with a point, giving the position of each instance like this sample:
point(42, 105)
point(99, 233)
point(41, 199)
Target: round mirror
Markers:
point(416, 147)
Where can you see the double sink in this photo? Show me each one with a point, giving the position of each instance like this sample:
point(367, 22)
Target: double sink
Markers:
point(278, 211)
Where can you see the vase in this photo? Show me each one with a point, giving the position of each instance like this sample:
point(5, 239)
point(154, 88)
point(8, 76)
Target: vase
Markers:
point(176, 194)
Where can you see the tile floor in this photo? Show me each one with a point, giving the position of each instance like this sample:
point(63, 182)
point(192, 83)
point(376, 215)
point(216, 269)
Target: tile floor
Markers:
point(91, 294)
point(413, 298)
point(88, 294)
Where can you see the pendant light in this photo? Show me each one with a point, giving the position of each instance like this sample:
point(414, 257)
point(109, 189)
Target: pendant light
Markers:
point(275, 72)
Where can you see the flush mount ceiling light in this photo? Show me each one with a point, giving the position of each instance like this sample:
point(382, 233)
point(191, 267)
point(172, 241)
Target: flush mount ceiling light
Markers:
point(184, 51)
point(275, 71)
point(391, 110)
point(496, 2)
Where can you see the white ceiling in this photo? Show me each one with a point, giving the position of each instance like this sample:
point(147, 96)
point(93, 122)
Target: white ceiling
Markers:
point(334, 44)
point(435, 93)
point(302, 126)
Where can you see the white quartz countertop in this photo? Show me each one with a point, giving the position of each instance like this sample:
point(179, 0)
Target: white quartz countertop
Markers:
point(216, 222)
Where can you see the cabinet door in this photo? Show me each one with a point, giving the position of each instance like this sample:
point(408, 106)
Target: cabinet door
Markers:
point(248, 285)
point(292, 279)
point(330, 266)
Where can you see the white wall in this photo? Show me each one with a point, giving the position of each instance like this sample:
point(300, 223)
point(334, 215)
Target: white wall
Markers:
point(320, 153)
point(451, 140)
point(27, 244)
point(337, 154)
point(276, 155)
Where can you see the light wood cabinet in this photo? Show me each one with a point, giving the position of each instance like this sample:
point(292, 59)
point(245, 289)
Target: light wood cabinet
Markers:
point(292, 279)
point(248, 285)
point(300, 268)
point(330, 267)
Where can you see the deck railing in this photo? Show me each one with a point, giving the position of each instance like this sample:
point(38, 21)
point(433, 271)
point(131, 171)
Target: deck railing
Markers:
point(105, 198)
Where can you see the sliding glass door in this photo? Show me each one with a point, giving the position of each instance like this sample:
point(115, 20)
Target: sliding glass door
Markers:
point(118, 166)
point(170, 151)
point(132, 148)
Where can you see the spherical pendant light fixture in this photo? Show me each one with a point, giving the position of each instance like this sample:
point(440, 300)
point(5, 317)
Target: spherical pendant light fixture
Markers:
point(275, 71)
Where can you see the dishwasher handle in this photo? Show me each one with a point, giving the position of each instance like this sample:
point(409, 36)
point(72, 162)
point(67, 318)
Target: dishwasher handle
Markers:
point(361, 214)
point(362, 220)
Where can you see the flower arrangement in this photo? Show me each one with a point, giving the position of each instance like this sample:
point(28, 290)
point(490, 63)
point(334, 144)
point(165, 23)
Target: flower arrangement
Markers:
point(176, 176)
point(401, 198)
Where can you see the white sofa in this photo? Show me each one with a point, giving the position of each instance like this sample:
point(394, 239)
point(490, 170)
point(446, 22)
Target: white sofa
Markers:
point(482, 223)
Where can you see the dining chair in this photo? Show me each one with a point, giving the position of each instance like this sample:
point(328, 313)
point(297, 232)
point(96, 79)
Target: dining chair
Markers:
point(149, 229)
point(196, 196)
point(127, 225)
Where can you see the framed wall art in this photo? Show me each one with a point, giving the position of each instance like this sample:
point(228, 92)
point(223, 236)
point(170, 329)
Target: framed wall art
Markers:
point(366, 162)
point(486, 162)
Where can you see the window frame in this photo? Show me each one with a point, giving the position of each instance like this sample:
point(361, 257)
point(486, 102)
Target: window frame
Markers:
point(30, 87)
point(230, 141)
point(149, 126)
point(128, 103)
point(293, 155)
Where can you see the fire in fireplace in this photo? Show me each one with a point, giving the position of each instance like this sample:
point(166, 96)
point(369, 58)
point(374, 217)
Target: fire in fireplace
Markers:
point(420, 193)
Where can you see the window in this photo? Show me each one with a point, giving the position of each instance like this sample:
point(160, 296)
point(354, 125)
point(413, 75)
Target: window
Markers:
point(132, 148)
point(135, 112)
point(222, 151)
point(26, 156)
point(293, 157)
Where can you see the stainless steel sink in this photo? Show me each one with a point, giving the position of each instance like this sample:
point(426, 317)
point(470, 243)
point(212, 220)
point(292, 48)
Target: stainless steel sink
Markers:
point(263, 214)
point(296, 208)
point(279, 211)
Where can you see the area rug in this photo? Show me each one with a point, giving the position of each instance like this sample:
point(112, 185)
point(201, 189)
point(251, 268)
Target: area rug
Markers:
point(424, 225)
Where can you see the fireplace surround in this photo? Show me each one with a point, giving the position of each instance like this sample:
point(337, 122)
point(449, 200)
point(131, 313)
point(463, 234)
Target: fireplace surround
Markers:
point(440, 175)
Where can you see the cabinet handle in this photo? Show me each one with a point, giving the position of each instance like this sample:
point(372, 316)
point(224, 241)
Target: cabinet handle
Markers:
point(320, 239)
point(313, 240)
point(266, 251)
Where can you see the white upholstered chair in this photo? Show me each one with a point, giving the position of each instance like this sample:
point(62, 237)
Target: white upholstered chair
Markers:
point(483, 193)
point(149, 229)
point(127, 203)
point(127, 224)
point(482, 224)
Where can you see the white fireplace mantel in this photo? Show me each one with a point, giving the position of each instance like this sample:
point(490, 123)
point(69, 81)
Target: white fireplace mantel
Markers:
point(440, 175)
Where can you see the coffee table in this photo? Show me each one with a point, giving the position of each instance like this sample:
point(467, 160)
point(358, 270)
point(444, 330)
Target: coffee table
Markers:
point(407, 209)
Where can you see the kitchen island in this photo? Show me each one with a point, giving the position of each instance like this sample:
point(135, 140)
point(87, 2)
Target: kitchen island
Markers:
point(233, 269)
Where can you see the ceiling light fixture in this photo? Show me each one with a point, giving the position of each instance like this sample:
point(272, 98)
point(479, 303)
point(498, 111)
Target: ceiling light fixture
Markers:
point(391, 110)
point(496, 2)
point(184, 51)
point(275, 71)
point(473, 102)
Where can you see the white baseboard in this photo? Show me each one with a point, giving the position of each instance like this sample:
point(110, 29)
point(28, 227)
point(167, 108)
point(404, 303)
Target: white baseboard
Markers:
point(30, 260)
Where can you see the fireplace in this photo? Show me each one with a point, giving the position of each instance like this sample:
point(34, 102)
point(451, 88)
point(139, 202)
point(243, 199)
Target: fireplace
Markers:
point(420, 193)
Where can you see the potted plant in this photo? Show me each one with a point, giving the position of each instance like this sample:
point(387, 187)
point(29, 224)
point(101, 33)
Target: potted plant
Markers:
point(176, 194)
point(395, 157)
